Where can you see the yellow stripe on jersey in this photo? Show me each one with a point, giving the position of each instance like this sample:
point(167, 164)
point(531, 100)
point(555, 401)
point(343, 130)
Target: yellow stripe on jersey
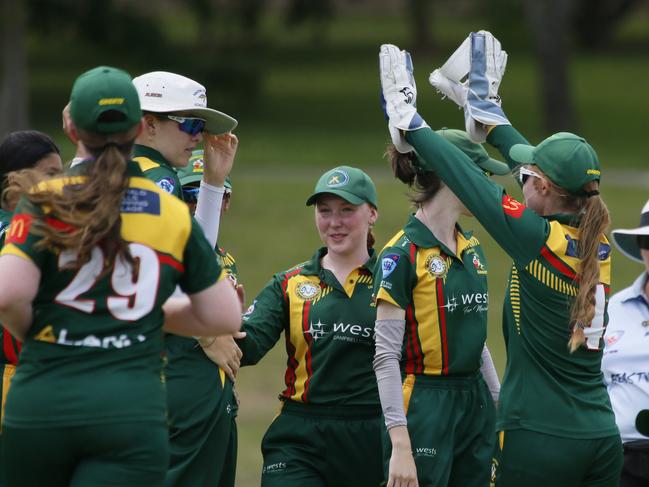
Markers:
point(424, 297)
point(145, 163)
point(354, 278)
point(149, 229)
point(558, 244)
point(297, 335)
point(408, 386)
point(11, 249)
point(545, 276)
point(153, 230)
point(7, 374)
point(515, 298)
point(222, 376)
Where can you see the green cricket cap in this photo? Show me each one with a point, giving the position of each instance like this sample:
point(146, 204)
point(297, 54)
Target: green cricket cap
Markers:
point(349, 183)
point(100, 91)
point(476, 152)
point(567, 159)
point(193, 171)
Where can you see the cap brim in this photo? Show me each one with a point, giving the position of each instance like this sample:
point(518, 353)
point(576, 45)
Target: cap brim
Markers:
point(626, 240)
point(523, 154)
point(495, 167)
point(192, 178)
point(642, 422)
point(215, 122)
point(350, 198)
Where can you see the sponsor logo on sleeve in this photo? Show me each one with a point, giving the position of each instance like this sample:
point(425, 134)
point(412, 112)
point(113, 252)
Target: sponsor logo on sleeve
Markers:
point(166, 184)
point(19, 228)
point(388, 264)
point(512, 207)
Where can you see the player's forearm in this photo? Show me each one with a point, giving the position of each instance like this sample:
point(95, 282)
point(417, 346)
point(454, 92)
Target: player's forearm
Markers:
point(389, 339)
point(503, 138)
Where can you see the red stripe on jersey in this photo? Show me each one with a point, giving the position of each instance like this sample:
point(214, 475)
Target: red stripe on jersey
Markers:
point(8, 348)
point(291, 365)
point(413, 252)
point(417, 359)
point(171, 262)
point(59, 225)
point(557, 263)
point(286, 279)
point(442, 325)
point(410, 364)
point(309, 339)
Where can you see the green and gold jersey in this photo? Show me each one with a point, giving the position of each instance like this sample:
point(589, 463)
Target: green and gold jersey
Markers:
point(329, 332)
point(92, 354)
point(156, 168)
point(545, 388)
point(9, 346)
point(444, 295)
point(227, 262)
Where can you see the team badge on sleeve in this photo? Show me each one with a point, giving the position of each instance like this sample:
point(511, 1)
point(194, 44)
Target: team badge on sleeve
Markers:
point(166, 184)
point(389, 264)
point(512, 207)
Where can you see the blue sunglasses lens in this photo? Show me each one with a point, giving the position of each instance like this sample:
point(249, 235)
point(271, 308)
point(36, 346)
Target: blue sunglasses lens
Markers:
point(190, 195)
point(192, 126)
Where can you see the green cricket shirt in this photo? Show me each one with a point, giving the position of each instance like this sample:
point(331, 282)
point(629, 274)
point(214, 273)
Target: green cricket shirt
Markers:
point(545, 387)
point(329, 332)
point(9, 346)
point(156, 168)
point(444, 295)
point(93, 352)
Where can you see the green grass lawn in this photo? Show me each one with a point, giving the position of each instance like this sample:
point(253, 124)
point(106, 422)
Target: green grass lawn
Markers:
point(269, 229)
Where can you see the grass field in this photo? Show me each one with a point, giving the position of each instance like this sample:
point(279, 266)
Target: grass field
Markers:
point(269, 229)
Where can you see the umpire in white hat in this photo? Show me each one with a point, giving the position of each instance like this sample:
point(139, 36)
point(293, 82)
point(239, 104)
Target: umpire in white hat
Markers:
point(626, 355)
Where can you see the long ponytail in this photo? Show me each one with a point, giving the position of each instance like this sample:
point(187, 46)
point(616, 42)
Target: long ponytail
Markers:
point(84, 215)
point(594, 222)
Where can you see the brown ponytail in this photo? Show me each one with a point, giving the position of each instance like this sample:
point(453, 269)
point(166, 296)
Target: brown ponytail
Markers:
point(426, 184)
point(593, 224)
point(86, 214)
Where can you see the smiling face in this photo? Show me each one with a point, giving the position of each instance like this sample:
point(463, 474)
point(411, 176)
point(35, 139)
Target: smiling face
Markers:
point(343, 227)
point(164, 136)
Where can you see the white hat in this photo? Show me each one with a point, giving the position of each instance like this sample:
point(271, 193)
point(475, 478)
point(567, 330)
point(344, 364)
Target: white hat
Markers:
point(627, 239)
point(162, 92)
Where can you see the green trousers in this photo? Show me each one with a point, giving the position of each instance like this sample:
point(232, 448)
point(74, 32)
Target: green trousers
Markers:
point(115, 455)
point(319, 446)
point(533, 459)
point(451, 423)
point(202, 412)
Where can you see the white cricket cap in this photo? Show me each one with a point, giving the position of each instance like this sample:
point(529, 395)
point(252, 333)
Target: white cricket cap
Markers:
point(163, 92)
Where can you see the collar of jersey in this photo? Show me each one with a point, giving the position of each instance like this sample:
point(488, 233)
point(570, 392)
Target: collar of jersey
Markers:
point(565, 219)
point(146, 151)
point(132, 169)
point(636, 290)
point(313, 266)
point(421, 236)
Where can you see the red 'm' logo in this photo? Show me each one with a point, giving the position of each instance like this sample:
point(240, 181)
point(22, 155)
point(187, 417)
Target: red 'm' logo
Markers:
point(19, 228)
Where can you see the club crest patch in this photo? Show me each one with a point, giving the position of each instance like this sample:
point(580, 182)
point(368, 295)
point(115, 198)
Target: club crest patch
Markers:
point(389, 264)
point(337, 178)
point(166, 184)
point(436, 266)
point(307, 290)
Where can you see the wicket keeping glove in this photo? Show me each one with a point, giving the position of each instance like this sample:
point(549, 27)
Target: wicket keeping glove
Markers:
point(479, 94)
point(399, 95)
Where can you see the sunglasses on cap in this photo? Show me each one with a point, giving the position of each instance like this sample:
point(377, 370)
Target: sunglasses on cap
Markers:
point(189, 125)
point(524, 174)
point(190, 194)
point(643, 242)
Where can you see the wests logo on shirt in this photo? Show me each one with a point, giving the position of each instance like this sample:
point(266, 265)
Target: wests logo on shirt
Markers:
point(512, 207)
